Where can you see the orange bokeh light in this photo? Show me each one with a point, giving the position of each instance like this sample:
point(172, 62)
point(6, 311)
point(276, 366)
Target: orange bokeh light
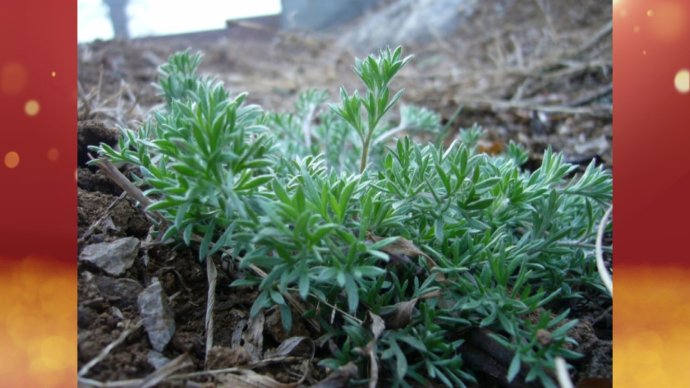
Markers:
point(32, 107)
point(13, 78)
point(11, 159)
point(37, 327)
point(682, 81)
point(669, 21)
point(53, 154)
point(652, 340)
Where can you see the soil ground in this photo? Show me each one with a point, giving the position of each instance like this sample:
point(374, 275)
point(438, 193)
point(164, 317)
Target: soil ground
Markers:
point(540, 76)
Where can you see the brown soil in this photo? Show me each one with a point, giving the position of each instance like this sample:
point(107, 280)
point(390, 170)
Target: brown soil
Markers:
point(464, 69)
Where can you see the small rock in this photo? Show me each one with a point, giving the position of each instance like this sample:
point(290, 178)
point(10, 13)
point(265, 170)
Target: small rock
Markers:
point(113, 257)
point(220, 357)
point(156, 315)
point(157, 359)
point(85, 316)
point(120, 292)
point(87, 347)
point(117, 313)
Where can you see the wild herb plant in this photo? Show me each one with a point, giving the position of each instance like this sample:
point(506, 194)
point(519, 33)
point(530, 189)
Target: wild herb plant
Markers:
point(435, 240)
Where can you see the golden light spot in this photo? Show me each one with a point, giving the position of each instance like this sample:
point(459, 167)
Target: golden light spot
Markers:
point(12, 78)
point(32, 107)
point(650, 13)
point(53, 352)
point(11, 159)
point(53, 154)
point(615, 2)
point(652, 339)
point(37, 328)
point(682, 81)
point(670, 21)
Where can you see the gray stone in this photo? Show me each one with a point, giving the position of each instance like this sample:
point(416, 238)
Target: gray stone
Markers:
point(156, 315)
point(157, 359)
point(120, 292)
point(112, 257)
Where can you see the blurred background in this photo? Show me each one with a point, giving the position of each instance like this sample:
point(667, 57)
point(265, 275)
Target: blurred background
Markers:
point(537, 72)
point(106, 19)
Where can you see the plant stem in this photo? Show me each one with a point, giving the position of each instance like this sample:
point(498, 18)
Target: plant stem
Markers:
point(306, 126)
point(365, 152)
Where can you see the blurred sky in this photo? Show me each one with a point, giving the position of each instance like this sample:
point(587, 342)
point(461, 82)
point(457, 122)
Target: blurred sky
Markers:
point(161, 17)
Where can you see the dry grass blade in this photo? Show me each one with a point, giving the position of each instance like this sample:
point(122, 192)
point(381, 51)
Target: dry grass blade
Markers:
point(249, 379)
point(253, 336)
point(166, 370)
point(373, 367)
point(337, 309)
point(105, 215)
point(377, 328)
point(338, 378)
point(599, 252)
point(106, 351)
point(562, 373)
point(603, 32)
point(377, 325)
point(84, 382)
point(212, 275)
point(401, 316)
point(293, 346)
point(290, 299)
point(121, 180)
point(239, 376)
point(401, 246)
point(404, 248)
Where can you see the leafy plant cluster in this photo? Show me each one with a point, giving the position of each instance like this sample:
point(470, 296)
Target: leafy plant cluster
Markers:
point(340, 210)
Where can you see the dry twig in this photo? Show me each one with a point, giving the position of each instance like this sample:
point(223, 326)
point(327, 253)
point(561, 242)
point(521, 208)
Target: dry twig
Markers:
point(212, 275)
point(601, 267)
point(106, 351)
point(105, 215)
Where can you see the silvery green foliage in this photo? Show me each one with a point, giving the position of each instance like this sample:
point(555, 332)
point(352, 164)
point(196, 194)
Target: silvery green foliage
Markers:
point(296, 195)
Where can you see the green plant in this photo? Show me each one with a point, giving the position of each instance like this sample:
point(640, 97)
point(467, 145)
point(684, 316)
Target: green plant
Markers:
point(436, 239)
point(376, 73)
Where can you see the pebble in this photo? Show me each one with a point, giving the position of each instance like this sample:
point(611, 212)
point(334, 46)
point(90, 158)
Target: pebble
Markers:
point(157, 316)
point(121, 292)
point(112, 257)
point(157, 359)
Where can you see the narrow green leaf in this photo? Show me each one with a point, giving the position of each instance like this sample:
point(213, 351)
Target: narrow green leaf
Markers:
point(514, 367)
